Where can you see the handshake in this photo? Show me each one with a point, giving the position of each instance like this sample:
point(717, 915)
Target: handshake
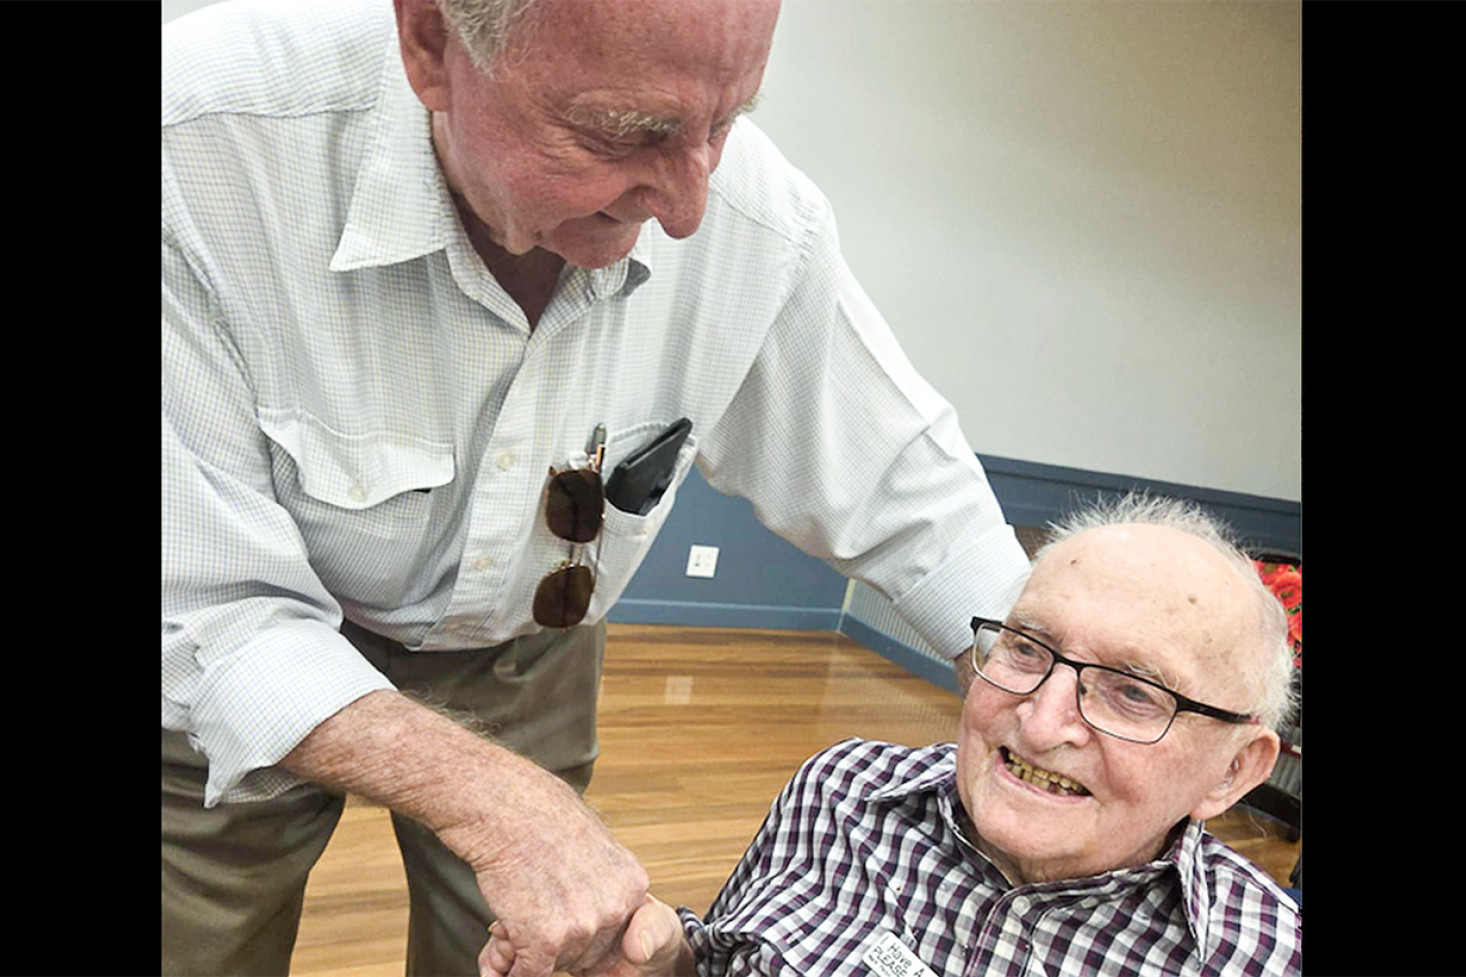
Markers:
point(652, 945)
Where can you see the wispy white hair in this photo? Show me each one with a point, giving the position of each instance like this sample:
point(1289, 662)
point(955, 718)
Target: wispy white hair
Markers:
point(1189, 517)
point(485, 26)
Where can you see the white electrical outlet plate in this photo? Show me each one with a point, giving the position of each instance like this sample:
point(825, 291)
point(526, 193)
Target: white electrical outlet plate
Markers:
point(702, 561)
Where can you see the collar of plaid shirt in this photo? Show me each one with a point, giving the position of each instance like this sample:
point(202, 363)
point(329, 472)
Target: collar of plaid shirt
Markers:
point(865, 840)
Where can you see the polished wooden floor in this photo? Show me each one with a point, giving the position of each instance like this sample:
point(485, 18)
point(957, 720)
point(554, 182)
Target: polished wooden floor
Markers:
point(700, 728)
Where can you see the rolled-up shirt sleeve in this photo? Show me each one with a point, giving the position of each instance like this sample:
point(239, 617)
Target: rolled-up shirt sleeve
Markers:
point(844, 450)
point(252, 656)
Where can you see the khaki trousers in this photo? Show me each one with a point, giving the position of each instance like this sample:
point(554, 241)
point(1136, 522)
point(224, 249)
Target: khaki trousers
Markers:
point(234, 875)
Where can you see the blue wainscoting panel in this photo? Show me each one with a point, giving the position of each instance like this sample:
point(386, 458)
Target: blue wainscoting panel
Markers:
point(1032, 494)
point(761, 581)
point(764, 582)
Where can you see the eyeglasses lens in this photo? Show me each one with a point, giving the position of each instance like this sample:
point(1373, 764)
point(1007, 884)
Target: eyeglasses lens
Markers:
point(1124, 706)
point(1006, 660)
point(563, 597)
point(575, 504)
point(1109, 700)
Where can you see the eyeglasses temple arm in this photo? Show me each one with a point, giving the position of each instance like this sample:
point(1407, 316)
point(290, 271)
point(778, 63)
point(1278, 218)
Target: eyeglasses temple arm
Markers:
point(1240, 718)
point(597, 448)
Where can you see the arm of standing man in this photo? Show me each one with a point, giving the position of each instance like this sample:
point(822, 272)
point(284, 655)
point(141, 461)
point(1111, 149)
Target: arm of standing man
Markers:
point(561, 885)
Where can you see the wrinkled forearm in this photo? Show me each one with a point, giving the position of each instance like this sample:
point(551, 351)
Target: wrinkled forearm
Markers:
point(395, 752)
point(561, 886)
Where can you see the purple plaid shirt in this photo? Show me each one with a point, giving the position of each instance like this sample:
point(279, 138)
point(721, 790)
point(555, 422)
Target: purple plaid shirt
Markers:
point(864, 841)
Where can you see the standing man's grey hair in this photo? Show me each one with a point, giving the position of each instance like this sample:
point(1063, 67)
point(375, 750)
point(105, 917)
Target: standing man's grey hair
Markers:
point(485, 26)
point(1188, 517)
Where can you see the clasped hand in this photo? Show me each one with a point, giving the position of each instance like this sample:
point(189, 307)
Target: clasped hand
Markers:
point(651, 946)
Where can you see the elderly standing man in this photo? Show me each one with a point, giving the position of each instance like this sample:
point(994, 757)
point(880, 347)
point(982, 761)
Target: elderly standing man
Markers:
point(429, 270)
point(1131, 694)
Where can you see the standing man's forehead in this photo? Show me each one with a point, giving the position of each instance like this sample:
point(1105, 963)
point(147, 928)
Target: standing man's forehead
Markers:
point(626, 56)
point(621, 67)
point(607, 26)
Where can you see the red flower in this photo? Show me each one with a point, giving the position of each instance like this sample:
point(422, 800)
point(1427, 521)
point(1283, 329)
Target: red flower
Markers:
point(1288, 586)
point(1286, 583)
point(1268, 571)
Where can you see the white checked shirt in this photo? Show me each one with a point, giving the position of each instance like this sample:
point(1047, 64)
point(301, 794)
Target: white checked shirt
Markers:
point(359, 422)
point(865, 841)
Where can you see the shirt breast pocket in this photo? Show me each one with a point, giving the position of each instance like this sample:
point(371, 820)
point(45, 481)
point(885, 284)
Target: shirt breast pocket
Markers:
point(625, 536)
point(363, 504)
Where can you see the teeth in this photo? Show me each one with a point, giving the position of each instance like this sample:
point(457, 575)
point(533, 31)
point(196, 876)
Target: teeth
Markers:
point(1052, 782)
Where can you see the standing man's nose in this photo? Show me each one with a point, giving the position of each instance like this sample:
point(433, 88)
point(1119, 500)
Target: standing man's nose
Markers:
point(678, 197)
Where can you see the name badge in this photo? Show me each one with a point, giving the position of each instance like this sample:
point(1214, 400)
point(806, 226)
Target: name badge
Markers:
point(887, 956)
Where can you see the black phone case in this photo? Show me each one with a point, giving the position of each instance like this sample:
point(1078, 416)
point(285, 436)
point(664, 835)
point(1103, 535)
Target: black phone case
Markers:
point(637, 484)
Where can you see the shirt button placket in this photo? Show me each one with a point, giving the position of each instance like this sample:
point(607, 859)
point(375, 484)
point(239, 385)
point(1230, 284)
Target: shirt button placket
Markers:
point(1015, 932)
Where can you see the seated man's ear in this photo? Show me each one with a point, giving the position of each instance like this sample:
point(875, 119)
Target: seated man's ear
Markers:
point(962, 668)
point(423, 36)
point(1250, 766)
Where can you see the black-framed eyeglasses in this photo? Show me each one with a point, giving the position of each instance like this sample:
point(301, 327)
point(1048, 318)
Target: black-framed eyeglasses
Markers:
point(575, 505)
point(1115, 702)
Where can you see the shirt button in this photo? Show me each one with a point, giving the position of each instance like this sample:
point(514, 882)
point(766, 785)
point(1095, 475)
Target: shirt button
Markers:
point(1020, 905)
point(356, 493)
point(482, 563)
point(506, 461)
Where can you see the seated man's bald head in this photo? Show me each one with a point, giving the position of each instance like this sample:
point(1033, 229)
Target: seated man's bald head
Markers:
point(1142, 592)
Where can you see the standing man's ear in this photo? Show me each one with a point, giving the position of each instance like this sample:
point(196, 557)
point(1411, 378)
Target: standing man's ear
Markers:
point(424, 38)
point(1250, 766)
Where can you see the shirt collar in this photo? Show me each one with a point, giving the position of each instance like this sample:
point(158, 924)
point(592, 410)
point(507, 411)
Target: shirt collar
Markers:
point(938, 779)
point(1186, 857)
point(928, 778)
point(638, 263)
point(400, 200)
point(1183, 859)
point(621, 278)
point(401, 207)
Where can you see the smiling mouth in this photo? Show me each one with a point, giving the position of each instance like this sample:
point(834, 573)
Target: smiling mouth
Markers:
point(1043, 779)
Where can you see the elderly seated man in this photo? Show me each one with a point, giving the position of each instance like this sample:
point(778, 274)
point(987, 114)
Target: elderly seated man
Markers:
point(1130, 695)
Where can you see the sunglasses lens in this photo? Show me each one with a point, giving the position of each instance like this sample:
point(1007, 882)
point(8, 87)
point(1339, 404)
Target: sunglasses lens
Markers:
point(574, 505)
point(563, 596)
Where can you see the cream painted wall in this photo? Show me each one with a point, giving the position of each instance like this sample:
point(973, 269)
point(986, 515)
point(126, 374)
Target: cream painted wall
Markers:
point(1081, 217)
